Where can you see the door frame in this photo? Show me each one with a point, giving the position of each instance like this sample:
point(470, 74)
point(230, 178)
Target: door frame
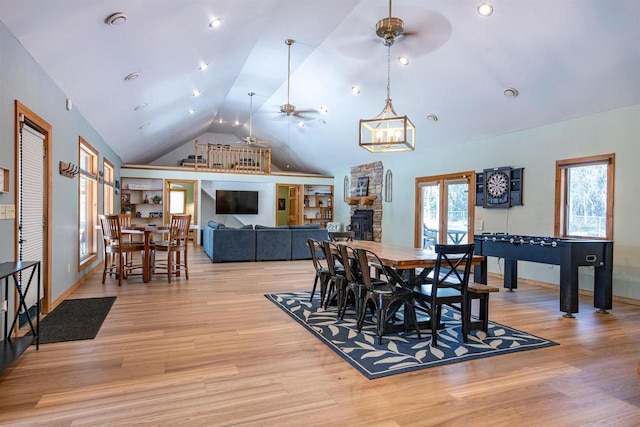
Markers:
point(441, 180)
point(46, 129)
point(299, 189)
point(166, 199)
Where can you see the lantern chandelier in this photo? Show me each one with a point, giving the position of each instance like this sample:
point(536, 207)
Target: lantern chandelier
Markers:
point(388, 132)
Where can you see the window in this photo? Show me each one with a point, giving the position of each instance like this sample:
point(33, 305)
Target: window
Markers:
point(178, 201)
point(584, 197)
point(108, 186)
point(88, 203)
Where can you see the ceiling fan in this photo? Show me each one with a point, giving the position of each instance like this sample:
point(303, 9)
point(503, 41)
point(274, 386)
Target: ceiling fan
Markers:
point(288, 108)
point(434, 31)
point(252, 140)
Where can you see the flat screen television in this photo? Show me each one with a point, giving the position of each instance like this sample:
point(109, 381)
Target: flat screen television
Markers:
point(236, 202)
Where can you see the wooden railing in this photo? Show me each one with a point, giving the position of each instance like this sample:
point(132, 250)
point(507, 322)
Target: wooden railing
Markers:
point(228, 158)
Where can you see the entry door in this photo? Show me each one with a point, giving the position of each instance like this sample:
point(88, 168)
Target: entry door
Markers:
point(445, 210)
point(31, 204)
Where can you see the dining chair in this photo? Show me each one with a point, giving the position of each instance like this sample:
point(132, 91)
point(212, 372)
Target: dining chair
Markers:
point(447, 285)
point(116, 247)
point(385, 296)
point(337, 282)
point(176, 247)
point(354, 286)
point(322, 271)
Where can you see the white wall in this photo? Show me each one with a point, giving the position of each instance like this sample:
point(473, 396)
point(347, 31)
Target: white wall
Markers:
point(536, 150)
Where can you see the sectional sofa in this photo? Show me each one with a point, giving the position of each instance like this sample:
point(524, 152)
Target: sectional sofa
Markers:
point(259, 243)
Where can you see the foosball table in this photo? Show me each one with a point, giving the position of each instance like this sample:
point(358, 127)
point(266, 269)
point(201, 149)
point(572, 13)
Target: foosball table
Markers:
point(569, 254)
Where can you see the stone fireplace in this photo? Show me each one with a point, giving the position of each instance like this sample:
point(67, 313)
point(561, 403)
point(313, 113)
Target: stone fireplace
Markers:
point(374, 173)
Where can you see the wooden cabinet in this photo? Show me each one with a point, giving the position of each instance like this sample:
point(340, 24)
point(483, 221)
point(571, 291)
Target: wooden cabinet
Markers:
point(143, 199)
point(318, 204)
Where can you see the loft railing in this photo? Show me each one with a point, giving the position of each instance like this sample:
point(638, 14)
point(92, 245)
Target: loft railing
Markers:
point(227, 158)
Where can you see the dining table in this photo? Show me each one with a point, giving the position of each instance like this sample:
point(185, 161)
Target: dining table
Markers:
point(406, 265)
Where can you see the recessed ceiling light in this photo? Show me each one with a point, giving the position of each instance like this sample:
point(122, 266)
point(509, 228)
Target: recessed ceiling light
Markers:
point(300, 123)
point(215, 23)
point(403, 60)
point(432, 117)
point(355, 90)
point(196, 93)
point(220, 120)
point(203, 66)
point(131, 76)
point(236, 123)
point(141, 106)
point(485, 9)
point(324, 109)
point(510, 92)
point(116, 19)
point(191, 111)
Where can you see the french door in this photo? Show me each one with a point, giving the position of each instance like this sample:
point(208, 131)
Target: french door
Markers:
point(444, 209)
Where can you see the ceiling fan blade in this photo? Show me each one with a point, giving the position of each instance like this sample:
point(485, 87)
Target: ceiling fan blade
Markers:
point(306, 114)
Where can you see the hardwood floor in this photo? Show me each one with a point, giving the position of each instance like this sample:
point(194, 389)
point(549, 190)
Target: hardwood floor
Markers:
point(213, 351)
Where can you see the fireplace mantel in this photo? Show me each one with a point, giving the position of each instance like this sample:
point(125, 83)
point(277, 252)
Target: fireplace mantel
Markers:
point(362, 200)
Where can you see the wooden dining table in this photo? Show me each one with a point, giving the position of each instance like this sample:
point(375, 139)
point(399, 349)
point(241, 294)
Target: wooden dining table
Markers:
point(146, 231)
point(402, 262)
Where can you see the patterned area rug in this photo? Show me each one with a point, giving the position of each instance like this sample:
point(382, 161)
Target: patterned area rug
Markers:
point(400, 352)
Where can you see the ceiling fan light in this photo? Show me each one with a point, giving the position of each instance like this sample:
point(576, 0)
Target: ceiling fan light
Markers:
point(355, 90)
point(403, 60)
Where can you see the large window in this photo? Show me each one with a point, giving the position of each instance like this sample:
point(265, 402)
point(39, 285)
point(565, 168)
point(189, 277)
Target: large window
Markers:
point(584, 197)
point(108, 188)
point(88, 203)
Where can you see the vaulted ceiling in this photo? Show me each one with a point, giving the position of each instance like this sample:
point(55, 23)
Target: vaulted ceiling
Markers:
point(566, 58)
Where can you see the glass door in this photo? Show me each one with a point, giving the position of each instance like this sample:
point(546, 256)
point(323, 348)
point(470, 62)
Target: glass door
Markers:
point(445, 210)
point(457, 225)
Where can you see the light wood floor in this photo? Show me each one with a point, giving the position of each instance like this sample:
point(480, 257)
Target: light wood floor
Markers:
point(213, 351)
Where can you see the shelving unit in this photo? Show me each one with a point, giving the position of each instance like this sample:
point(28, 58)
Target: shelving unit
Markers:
point(137, 195)
point(318, 204)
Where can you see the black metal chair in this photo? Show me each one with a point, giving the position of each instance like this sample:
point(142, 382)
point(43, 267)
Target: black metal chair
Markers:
point(354, 286)
point(322, 271)
point(385, 297)
point(447, 285)
point(337, 283)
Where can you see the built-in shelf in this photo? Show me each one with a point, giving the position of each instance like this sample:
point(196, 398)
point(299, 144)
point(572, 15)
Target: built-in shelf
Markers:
point(363, 200)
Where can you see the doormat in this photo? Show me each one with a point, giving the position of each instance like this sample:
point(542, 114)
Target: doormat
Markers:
point(75, 319)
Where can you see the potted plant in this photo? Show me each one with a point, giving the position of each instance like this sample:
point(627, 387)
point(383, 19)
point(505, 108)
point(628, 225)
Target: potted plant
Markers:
point(156, 199)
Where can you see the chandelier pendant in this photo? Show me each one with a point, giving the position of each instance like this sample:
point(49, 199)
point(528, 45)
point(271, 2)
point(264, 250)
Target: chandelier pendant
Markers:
point(388, 132)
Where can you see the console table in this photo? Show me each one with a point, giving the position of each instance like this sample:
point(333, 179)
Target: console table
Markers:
point(12, 347)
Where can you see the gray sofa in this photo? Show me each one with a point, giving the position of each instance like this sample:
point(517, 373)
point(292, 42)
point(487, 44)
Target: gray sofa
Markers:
point(261, 243)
